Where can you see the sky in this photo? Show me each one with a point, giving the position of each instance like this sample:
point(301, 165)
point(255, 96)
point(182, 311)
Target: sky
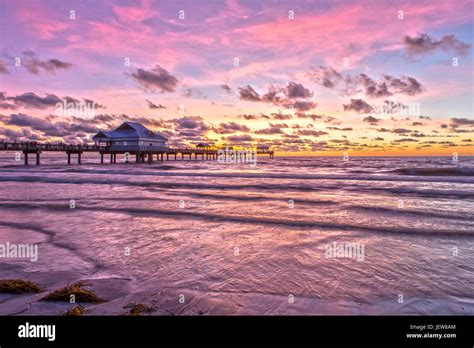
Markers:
point(305, 77)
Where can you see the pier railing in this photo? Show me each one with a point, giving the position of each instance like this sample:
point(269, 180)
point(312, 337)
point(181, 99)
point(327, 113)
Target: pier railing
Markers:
point(136, 148)
point(34, 146)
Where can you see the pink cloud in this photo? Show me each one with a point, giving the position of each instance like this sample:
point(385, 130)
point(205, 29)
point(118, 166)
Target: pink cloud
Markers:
point(40, 21)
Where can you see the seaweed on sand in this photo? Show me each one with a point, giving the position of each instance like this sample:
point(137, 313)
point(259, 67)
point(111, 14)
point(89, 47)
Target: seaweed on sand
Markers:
point(136, 309)
point(75, 311)
point(76, 289)
point(18, 286)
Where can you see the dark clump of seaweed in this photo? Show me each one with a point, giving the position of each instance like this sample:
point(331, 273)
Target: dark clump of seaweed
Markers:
point(75, 311)
point(76, 289)
point(136, 309)
point(18, 286)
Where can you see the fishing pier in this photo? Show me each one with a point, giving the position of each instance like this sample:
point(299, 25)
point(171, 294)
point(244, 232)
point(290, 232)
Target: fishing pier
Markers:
point(131, 139)
point(141, 153)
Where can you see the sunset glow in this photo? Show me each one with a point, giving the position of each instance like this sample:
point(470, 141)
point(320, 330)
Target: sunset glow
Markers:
point(319, 78)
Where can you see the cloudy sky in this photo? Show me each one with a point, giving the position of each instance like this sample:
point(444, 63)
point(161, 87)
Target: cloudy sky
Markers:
point(307, 77)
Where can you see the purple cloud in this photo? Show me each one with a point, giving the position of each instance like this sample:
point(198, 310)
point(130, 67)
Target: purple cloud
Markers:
point(33, 64)
point(156, 79)
point(359, 106)
point(424, 44)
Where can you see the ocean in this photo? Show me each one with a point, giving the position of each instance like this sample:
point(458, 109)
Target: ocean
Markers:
point(289, 236)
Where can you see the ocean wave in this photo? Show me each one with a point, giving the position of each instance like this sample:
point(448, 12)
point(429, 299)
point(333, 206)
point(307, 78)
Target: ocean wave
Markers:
point(395, 211)
point(97, 264)
point(440, 171)
point(163, 185)
point(362, 176)
point(244, 219)
point(428, 193)
point(255, 198)
point(237, 185)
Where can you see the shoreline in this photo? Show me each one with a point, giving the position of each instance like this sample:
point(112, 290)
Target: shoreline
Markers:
point(119, 294)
